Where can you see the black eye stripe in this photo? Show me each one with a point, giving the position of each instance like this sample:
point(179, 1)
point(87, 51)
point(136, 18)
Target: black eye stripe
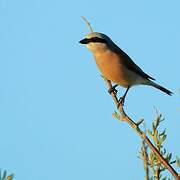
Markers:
point(93, 39)
point(96, 39)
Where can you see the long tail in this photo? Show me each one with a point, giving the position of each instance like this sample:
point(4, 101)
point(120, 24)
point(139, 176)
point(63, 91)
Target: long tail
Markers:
point(151, 83)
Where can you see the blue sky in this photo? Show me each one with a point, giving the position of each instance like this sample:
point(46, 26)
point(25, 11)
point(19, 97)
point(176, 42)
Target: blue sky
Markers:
point(55, 112)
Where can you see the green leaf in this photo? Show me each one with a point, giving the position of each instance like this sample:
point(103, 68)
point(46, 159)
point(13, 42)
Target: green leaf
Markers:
point(150, 132)
point(10, 177)
point(4, 175)
point(168, 157)
point(163, 133)
point(116, 115)
point(177, 161)
point(153, 127)
point(164, 137)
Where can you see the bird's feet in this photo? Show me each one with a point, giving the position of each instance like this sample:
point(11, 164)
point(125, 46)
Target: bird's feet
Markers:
point(113, 89)
point(121, 101)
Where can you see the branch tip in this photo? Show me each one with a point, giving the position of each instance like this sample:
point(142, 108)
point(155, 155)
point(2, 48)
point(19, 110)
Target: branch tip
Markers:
point(140, 121)
point(87, 23)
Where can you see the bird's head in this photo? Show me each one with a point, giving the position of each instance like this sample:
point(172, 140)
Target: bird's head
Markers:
point(97, 42)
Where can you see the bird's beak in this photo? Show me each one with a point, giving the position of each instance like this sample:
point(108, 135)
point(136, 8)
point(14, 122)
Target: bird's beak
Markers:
point(84, 41)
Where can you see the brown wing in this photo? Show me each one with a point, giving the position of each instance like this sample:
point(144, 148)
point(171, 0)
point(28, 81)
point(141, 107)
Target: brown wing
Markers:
point(127, 61)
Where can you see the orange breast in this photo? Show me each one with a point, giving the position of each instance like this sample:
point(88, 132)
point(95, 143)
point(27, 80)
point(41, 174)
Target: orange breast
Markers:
point(111, 68)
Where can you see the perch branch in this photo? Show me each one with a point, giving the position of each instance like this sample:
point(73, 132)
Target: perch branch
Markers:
point(135, 126)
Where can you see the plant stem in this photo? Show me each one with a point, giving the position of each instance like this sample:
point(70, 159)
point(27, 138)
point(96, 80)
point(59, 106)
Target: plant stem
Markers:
point(126, 118)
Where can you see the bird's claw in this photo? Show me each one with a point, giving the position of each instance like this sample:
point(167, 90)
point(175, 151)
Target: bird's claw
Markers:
point(113, 89)
point(121, 102)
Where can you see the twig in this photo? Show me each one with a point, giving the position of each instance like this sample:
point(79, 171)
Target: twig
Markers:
point(88, 24)
point(126, 118)
point(145, 159)
point(145, 155)
point(157, 174)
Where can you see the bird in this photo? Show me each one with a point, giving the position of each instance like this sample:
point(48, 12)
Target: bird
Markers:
point(116, 66)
